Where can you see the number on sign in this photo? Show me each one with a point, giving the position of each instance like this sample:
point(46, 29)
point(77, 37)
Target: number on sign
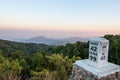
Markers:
point(92, 58)
point(93, 48)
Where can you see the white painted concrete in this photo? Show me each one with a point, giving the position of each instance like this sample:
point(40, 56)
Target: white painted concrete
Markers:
point(98, 71)
point(98, 51)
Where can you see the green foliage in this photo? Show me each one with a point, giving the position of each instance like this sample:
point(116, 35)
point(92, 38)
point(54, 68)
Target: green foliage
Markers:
point(9, 70)
point(56, 67)
point(8, 47)
point(28, 61)
point(45, 74)
point(114, 49)
point(70, 50)
point(25, 72)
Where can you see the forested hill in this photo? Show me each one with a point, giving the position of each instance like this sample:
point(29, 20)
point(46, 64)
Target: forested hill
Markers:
point(76, 49)
point(30, 48)
point(28, 61)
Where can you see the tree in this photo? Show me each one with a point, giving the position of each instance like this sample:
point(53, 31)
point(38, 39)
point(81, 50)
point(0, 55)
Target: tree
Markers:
point(114, 48)
point(25, 72)
point(10, 70)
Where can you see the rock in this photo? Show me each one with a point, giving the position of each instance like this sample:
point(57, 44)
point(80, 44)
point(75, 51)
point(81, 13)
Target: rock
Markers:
point(79, 73)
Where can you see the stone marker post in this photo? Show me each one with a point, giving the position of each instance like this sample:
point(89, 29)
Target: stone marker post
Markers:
point(97, 66)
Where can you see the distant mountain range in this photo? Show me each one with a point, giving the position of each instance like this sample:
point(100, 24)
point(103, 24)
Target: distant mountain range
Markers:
point(50, 41)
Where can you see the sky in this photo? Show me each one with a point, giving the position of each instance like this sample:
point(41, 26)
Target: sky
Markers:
point(20, 19)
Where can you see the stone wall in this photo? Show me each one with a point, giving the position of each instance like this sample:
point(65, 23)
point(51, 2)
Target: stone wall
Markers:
point(79, 73)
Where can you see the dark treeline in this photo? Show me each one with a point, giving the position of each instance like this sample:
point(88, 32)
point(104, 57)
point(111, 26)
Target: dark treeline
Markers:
point(114, 48)
point(9, 46)
point(29, 61)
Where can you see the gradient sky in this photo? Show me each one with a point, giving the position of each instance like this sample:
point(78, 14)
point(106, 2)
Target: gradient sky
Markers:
point(58, 18)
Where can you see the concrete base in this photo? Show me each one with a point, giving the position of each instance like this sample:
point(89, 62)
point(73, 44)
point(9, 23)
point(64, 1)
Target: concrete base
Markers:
point(83, 70)
point(98, 71)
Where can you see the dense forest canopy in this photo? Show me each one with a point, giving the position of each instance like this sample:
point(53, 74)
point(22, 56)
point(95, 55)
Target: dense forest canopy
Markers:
point(29, 61)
